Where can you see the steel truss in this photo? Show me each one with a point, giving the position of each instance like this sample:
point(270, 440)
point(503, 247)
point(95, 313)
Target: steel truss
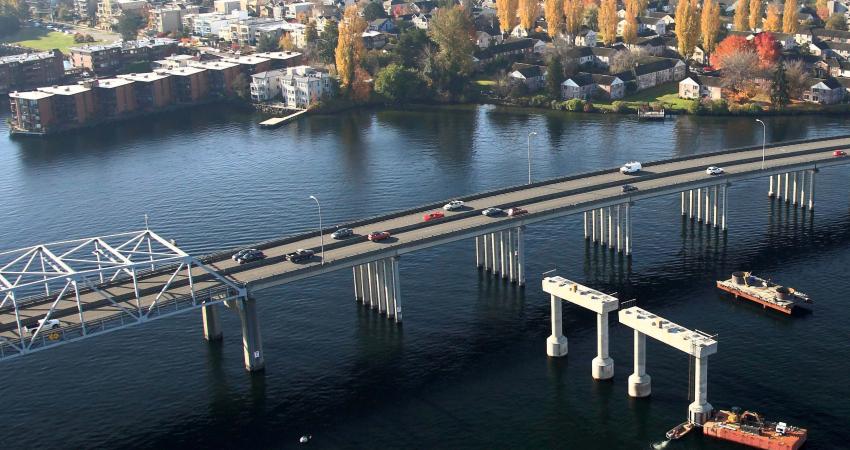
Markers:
point(96, 285)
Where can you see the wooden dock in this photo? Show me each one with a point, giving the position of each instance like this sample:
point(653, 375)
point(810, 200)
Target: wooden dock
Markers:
point(275, 122)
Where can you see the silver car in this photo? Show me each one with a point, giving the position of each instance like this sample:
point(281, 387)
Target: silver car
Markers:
point(342, 233)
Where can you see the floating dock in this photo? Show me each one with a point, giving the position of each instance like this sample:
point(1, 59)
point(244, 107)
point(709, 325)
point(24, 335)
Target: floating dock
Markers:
point(750, 429)
point(275, 122)
point(764, 292)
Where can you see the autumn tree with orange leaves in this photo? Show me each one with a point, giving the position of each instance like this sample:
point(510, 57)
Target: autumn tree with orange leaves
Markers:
point(608, 21)
point(506, 10)
point(789, 17)
point(741, 15)
point(349, 47)
point(768, 50)
point(574, 14)
point(755, 14)
point(709, 24)
point(527, 14)
point(553, 11)
point(773, 22)
point(687, 26)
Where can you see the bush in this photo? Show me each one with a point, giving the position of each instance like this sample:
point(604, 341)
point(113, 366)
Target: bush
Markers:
point(589, 108)
point(575, 104)
point(717, 106)
point(538, 100)
point(619, 107)
point(694, 107)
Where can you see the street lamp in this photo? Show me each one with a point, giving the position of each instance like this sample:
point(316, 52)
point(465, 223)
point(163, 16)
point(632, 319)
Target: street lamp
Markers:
point(321, 234)
point(532, 133)
point(763, 140)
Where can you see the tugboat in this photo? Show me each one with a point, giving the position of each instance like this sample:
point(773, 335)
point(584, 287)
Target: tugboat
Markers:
point(750, 428)
point(764, 292)
point(680, 430)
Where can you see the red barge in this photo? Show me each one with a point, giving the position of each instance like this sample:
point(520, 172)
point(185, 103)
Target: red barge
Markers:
point(752, 430)
point(764, 292)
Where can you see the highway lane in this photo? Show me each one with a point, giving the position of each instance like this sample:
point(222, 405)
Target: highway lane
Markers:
point(570, 192)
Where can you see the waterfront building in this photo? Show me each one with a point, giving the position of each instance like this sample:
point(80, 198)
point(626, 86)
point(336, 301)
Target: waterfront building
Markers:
point(109, 58)
point(697, 87)
point(190, 84)
point(302, 86)
point(72, 105)
point(281, 59)
point(587, 86)
point(31, 69)
point(251, 64)
point(173, 62)
point(31, 111)
point(152, 90)
point(265, 86)
point(115, 97)
point(220, 76)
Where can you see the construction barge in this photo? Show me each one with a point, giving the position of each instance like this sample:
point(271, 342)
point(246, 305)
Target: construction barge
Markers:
point(750, 428)
point(764, 292)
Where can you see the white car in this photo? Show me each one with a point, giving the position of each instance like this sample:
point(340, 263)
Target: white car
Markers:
point(50, 325)
point(714, 170)
point(453, 205)
point(631, 167)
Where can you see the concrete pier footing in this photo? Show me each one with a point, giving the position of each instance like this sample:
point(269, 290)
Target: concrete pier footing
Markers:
point(212, 322)
point(252, 341)
point(700, 410)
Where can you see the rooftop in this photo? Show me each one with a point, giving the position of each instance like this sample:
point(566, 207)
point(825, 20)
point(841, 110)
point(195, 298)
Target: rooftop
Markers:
point(70, 89)
point(26, 57)
point(184, 71)
point(30, 95)
point(110, 83)
point(145, 77)
point(278, 55)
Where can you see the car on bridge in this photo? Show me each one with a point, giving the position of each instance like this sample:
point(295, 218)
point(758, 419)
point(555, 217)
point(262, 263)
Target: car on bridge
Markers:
point(300, 255)
point(242, 253)
point(433, 216)
point(631, 167)
point(629, 188)
point(50, 324)
point(251, 256)
point(453, 205)
point(517, 211)
point(714, 170)
point(493, 212)
point(839, 153)
point(342, 233)
point(378, 235)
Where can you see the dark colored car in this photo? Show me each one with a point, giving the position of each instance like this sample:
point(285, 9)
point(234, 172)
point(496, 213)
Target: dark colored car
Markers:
point(300, 255)
point(629, 188)
point(251, 256)
point(378, 235)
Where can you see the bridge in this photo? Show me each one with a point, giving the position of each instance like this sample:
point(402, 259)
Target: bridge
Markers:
point(57, 293)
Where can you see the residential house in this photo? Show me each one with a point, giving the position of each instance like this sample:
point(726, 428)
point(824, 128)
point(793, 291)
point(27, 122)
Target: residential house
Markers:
point(303, 86)
point(579, 56)
point(662, 15)
point(826, 91)
point(265, 86)
point(511, 47)
point(588, 86)
point(382, 26)
point(645, 25)
point(532, 76)
point(654, 71)
point(299, 10)
point(834, 49)
point(603, 56)
point(374, 39)
point(831, 35)
point(700, 56)
point(585, 38)
point(421, 21)
point(484, 39)
point(653, 45)
point(697, 87)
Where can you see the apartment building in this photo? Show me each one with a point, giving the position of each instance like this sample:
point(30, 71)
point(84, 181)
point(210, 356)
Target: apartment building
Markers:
point(152, 90)
point(31, 69)
point(302, 86)
point(220, 76)
point(190, 84)
point(72, 105)
point(226, 6)
point(109, 58)
point(115, 97)
point(32, 111)
point(280, 60)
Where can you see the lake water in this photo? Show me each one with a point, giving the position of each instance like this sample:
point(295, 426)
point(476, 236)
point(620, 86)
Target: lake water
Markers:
point(468, 367)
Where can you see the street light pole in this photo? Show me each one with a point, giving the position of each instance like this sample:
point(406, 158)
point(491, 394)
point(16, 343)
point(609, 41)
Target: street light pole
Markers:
point(763, 140)
point(321, 234)
point(532, 133)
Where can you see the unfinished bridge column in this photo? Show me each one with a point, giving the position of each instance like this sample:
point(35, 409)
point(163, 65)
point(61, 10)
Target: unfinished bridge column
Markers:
point(212, 322)
point(252, 342)
point(812, 189)
point(602, 365)
point(640, 384)
point(556, 344)
point(700, 410)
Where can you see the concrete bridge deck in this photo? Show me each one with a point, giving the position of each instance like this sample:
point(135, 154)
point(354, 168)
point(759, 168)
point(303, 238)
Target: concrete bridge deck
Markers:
point(544, 201)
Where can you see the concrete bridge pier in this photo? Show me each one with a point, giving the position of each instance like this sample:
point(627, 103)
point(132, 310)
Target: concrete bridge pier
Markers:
point(494, 255)
point(691, 204)
point(700, 410)
point(602, 366)
point(503, 257)
point(556, 344)
point(520, 255)
point(640, 384)
point(358, 294)
point(770, 192)
point(786, 197)
point(778, 192)
point(628, 222)
point(479, 261)
point(593, 224)
point(812, 189)
point(381, 285)
point(723, 208)
point(396, 282)
point(252, 341)
point(212, 322)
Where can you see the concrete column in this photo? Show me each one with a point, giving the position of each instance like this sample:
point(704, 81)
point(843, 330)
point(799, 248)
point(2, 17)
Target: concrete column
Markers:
point(770, 189)
point(388, 286)
point(252, 342)
point(620, 227)
point(478, 260)
point(212, 322)
point(493, 255)
point(683, 203)
point(364, 289)
point(396, 289)
point(794, 190)
point(707, 218)
point(380, 278)
point(628, 229)
point(584, 215)
point(723, 219)
point(714, 203)
point(778, 191)
point(640, 384)
point(700, 410)
point(699, 205)
point(802, 189)
point(502, 255)
point(556, 344)
point(691, 204)
point(593, 221)
point(602, 367)
point(485, 252)
point(610, 228)
point(602, 226)
point(812, 190)
point(512, 254)
point(370, 280)
point(787, 199)
point(520, 253)
point(355, 275)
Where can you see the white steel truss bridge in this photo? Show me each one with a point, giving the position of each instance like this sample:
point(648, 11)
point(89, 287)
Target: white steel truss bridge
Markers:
point(62, 292)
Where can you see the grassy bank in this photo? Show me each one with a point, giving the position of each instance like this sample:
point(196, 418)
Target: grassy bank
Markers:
point(41, 39)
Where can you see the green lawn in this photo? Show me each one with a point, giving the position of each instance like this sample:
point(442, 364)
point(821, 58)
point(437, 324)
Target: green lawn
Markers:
point(42, 39)
point(667, 94)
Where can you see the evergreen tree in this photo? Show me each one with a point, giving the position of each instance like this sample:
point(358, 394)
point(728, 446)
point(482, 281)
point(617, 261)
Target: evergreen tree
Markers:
point(779, 96)
point(554, 78)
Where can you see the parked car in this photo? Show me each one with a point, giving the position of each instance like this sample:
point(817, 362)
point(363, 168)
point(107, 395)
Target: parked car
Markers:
point(242, 253)
point(629, 188)
point(517, 211)
point(51, 324)
point(342, 233)
point(453, 205)
point(300, 255)
point(433, 216)
point(631, 167)
point(493, 212)
point(378, 235)
point(714, 170)
point(839, 153)
point(251, 256)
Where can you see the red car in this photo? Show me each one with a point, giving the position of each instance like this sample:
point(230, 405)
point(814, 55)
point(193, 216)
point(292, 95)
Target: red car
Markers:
point(433, 216)
point(378, 235)
point(513, 212)
point(839, 153)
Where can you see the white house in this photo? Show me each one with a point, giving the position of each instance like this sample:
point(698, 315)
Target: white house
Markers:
point(265, 86)
point(302, 86)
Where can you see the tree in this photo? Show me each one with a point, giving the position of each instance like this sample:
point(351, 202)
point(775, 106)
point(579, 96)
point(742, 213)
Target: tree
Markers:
point(687, 26)
point(767, 49)
point(361, 89)
point(630, 29)
point(739, 71)
point(349, 46)
point(266, 44)
point(608, 21)
point(755, 14)
point(729, 46)
point(527, 14)
point(411, 43)
point(285, 43)
point(374, 10)
point(554, 77)
point(779, 88)
point(773, 22)
point(574, 14)
point(398, 83)
point(506, 10)
point(9, 25)
point(451, 29)
point(789, 17)
point(329, 41)
point(798, 78)
point(822, 9)
point(311, 35)
point(710, 24)
point(741, 15)
point(837, 21)
point(129, 25)
point(553, 11)
point(591, 16)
